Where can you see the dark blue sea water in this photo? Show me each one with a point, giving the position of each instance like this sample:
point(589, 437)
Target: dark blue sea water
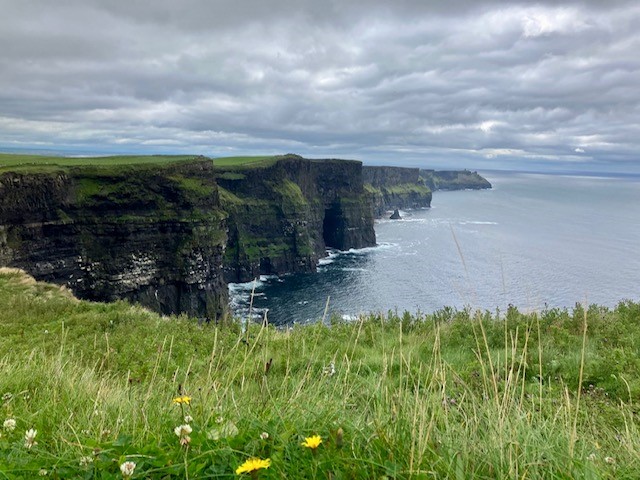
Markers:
point(532, 241)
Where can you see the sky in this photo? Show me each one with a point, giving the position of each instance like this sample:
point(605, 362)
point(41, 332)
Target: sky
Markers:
point(547, 85)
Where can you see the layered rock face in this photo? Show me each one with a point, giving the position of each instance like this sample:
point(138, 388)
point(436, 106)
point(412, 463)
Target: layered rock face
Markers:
point(454, 180)
point(393, 188)
point(170, 236)
point(283, 214)
point(154, 235)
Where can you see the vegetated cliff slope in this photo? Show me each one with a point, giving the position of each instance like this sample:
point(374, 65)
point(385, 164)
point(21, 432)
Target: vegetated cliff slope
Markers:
point(164, 234)
point(395, 187)
point(454, 180)
point(152, 234)
point(285, 212)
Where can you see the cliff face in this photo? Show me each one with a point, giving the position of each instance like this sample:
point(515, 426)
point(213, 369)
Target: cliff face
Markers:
point(454, 180)
point(283, 215)
point(395, 187)
point(152, 235)
point(170, 236)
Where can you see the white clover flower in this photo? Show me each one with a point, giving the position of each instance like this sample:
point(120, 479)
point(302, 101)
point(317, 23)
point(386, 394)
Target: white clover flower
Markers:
point(330, 369)
point(183, 430)
point(42, 472)
point(127, 469)
point(610, 460)
point(264, 435)
point(30, 438)
point(188, 419)
point(84, 461)
point(9, 424)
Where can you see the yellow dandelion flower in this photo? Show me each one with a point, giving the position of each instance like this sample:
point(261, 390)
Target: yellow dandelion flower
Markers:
point(253, 465)
point(182, 399)
point(312, 442)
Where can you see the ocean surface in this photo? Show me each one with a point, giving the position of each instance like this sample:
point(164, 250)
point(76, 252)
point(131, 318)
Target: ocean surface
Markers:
point(533, 241)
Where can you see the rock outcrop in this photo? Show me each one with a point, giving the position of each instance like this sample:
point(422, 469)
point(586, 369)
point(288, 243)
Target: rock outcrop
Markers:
point(454, 180)
point(392, 188)
point(284, 213)
point(151, 234)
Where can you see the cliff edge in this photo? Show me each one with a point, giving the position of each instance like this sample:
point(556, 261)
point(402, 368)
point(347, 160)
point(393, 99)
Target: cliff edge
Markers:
point(454, 180)
point(391, 188)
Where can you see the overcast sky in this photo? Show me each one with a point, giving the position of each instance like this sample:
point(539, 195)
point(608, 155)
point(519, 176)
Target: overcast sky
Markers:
point(475, 84)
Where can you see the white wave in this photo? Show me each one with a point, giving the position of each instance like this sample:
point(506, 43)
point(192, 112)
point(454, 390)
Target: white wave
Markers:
point(471, 222)
point(406, 220)
point(266, 278)
point(365, 250)
point(246, 286)
point(330, 258)
point(353, 269)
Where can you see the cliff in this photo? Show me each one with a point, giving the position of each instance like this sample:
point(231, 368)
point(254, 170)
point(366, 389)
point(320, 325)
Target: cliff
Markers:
point(170, 234)
point(395, 187)
point(151, 234)
point(284, 213)
point(454, 180)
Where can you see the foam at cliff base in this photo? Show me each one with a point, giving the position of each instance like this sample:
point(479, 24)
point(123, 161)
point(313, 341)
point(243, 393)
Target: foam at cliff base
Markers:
point(330, 258)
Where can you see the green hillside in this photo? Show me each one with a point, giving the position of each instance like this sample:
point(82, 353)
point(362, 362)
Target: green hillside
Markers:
point(455, 394)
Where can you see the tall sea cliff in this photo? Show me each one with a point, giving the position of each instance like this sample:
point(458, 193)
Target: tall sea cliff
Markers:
point(172, 234)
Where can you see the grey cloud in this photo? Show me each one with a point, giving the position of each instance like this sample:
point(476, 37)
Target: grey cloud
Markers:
point(479, 81)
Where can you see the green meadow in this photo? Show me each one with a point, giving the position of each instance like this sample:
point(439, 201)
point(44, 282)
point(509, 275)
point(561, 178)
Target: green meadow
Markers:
point(21, 162)
point(112, 391)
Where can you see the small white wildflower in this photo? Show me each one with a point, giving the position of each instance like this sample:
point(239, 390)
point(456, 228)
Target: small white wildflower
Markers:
point(42, 472)
point(264, 435)
point(46, 331)
point(9, 424)
point(127, 469)
point(183, 430)
point(188, 419)
point(30, 438)
point(84, 461)
point(219, 420)
point(591, 457)
point(610, 460)
point(330, 370)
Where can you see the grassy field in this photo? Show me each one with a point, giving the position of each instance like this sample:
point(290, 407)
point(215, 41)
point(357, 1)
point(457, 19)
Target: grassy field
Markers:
point(452, 395)
point(11, 161)
point(243, 162)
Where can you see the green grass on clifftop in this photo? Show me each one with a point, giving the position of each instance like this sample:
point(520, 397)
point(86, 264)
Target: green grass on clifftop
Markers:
point(243, 162)
point(20, 162)
point(455, 394)
point(10, 161)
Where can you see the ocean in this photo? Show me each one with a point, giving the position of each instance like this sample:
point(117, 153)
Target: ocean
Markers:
point(534, 241)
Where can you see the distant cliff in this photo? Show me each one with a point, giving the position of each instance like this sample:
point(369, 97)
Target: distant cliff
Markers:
point(283, 214)
point(151, 234)
point(454, 180)
point(395, 187)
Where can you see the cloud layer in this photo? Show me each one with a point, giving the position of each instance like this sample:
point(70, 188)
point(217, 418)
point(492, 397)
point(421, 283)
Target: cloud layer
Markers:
point(477, 84)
